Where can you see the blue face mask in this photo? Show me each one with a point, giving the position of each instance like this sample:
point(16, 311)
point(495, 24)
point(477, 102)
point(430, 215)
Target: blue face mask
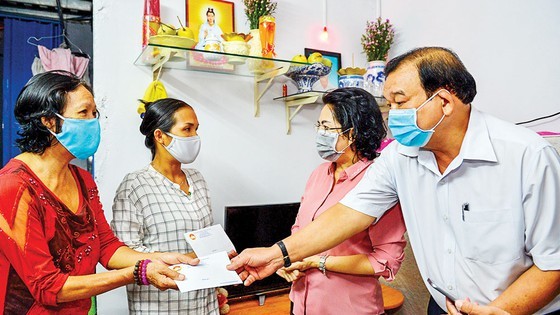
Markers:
point(79, 136)
point(404, 128)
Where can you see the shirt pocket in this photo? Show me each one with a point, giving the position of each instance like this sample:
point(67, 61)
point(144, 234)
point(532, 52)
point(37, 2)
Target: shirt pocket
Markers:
point(491, 237)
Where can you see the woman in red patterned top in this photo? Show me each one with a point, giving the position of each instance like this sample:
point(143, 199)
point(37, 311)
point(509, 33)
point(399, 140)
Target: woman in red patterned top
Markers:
point(52, 228)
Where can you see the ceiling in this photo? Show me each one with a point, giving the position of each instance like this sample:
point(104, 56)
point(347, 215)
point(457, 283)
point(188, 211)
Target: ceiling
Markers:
point(79, 10)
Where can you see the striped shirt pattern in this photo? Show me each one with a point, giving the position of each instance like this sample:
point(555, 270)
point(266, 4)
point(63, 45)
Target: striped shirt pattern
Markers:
point(152, 214)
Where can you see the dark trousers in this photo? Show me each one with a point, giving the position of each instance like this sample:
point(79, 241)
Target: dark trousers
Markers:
point(434, 309)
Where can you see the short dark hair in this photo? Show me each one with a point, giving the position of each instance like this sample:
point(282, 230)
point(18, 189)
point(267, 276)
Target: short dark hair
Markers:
point(355, 108)
point(43, 96)
point(159, 115)
point(438, 68)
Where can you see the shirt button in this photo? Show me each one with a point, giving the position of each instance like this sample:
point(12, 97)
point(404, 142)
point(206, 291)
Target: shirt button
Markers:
point(445, 217)
point(449, 251)
point(450, 287)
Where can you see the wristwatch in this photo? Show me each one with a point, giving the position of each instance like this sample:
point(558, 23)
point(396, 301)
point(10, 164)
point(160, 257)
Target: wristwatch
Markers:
point(322, 262)
point(285, 256)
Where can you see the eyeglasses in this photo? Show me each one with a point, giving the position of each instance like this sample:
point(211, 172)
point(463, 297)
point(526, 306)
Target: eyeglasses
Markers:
point(325, 128)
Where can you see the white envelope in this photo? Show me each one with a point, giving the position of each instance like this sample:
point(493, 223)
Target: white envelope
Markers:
point(210, 240)
point(211, 272)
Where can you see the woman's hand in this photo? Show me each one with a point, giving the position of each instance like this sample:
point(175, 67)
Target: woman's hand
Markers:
point(161, 276)
point(290, 276)
point(296, 270)
point(307, 263)
point(471, 308)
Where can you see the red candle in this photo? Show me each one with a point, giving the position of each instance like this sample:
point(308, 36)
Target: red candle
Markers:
point(151, 21)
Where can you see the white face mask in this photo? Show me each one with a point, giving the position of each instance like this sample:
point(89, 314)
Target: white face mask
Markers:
point(184, 149)
point(325, 143)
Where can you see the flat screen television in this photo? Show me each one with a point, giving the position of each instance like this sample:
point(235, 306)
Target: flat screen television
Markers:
point(259, 226)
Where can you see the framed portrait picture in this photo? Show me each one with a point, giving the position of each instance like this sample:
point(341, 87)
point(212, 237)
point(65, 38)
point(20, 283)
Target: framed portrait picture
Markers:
point(208, 19)
point(329, 81)
point(212, 17)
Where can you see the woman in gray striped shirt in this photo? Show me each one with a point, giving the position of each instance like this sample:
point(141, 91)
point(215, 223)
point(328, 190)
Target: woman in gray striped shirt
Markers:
point(156, 205)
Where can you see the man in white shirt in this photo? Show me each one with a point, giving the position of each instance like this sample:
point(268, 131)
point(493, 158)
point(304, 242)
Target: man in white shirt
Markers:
point(479, 196)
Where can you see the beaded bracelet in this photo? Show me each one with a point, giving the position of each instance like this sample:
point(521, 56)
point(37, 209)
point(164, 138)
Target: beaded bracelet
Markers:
point(140, 272)
point(136, 272)
point(144, 272)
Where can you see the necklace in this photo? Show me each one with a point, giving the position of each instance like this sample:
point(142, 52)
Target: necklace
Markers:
point(187, 192)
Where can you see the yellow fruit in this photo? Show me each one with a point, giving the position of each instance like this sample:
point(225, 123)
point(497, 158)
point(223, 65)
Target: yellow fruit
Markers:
point(352, 71)
point(300, 58)
point(166, 29)
point(315, 57)
point(326, 62)
point(185, 32)
point(236, 37)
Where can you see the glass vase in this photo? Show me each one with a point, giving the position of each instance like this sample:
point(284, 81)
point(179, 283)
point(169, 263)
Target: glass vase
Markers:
point(267, 29)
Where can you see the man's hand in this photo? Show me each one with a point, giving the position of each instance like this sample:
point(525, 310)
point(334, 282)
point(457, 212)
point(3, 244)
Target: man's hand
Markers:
point(256, 263)
point(470, 308)
point(231, 254)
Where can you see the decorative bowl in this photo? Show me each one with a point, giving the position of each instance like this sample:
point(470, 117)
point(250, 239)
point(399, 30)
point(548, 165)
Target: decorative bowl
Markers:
point(213, 45)
point(352, 80)
point(237, 48)
point(172, 40)
point(212, 57)
point(305, 76)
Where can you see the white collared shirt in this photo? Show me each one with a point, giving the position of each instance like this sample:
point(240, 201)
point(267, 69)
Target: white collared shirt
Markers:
point(509, 180)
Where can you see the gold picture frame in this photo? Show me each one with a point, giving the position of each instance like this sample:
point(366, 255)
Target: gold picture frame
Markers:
point(196, 16)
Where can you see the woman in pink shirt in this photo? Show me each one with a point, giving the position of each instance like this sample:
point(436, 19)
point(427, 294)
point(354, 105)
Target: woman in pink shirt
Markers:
point(344, 279)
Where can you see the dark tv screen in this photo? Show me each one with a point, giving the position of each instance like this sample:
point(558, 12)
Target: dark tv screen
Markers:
point(259, 226)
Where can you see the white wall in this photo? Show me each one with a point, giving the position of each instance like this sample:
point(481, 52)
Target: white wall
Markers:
point(508, 45)
point(511, 47)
